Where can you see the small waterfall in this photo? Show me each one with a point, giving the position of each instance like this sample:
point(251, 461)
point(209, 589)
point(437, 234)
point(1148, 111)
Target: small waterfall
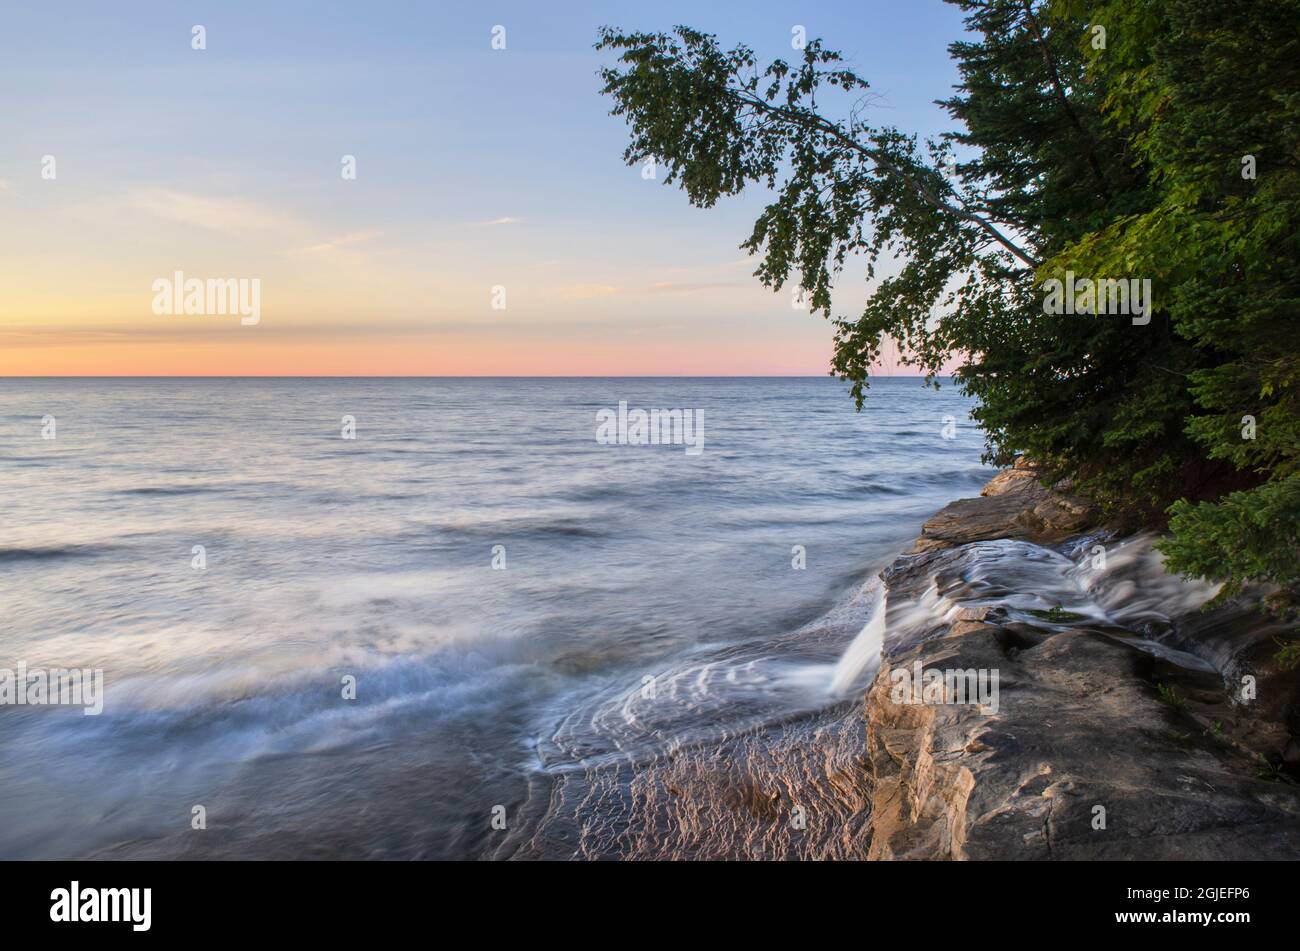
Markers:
point(863, 652)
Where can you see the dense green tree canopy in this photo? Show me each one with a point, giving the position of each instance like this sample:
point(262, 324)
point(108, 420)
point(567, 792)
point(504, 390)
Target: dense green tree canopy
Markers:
point(1128, 141)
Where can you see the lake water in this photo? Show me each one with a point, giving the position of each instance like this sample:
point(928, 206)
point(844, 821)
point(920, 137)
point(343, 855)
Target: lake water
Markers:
point(516, 603)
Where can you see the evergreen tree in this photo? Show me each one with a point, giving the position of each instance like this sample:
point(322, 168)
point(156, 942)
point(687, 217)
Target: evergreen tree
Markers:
point(1109, 140)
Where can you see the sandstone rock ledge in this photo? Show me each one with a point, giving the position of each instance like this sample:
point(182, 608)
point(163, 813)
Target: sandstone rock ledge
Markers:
point(1103, 746)
point(1012, 505)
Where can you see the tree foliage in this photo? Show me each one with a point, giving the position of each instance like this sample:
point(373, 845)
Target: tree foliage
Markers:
point(1108, 139)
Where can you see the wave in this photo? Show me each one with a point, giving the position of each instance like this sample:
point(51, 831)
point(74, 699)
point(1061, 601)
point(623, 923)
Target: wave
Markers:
point(47, 552)
point(165, 490)
point(520, 527)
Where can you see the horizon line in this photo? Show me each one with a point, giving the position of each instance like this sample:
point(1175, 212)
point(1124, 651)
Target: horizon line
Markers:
point(460, 376)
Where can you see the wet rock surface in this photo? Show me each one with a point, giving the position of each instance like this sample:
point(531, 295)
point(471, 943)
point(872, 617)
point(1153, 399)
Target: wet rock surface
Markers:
point(1119, 729)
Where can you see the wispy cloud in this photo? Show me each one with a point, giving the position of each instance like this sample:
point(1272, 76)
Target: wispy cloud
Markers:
point(588, 291)
point(592, 291)
point(669, 287)
point(351, 239)
point(507, 220)
point(227, 215)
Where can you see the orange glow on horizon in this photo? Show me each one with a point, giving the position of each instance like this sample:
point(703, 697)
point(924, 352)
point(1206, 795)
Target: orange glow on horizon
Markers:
point(407, 358)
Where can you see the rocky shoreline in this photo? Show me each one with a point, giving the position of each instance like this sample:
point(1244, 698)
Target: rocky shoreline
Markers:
point(1169, 734)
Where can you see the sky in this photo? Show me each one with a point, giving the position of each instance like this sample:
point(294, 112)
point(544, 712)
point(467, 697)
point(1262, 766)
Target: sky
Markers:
point(475, 169)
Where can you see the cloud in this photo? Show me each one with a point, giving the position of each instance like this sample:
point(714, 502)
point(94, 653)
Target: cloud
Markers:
point(507, 220)
point(588, 291)
point(666, 287)
point(351, 239)
point(227, 215)
point(592, 291)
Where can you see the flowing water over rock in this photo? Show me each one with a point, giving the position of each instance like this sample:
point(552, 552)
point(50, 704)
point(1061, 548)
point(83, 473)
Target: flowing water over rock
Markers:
point(1130, 595)
point(1109, 719)
point(745, 751)
point(788, 778)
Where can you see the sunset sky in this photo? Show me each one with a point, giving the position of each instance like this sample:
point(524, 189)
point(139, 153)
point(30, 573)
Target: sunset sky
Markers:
point(475, 167)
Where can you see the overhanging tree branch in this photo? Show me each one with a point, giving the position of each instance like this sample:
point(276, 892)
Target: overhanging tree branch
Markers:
point(807, 119)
